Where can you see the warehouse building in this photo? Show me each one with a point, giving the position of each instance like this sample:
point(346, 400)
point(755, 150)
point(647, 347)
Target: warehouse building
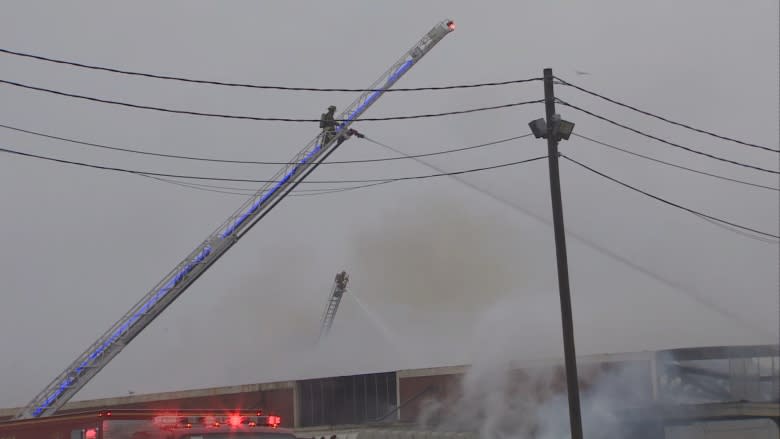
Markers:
point(674, 390)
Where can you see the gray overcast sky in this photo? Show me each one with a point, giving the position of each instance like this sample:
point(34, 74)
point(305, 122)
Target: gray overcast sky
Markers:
point(428, 259)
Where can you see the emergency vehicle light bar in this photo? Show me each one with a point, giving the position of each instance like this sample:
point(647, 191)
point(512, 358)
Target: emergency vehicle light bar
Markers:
point(176, 421)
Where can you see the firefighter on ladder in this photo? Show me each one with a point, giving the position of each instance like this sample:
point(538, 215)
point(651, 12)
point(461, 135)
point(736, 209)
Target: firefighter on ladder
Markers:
point(342, 279)
point(328, 126)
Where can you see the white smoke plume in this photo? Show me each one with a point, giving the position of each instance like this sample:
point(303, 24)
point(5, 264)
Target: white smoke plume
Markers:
point(504, 395)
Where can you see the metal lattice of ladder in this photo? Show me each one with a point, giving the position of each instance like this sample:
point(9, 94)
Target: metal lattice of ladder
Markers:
point(339, 288)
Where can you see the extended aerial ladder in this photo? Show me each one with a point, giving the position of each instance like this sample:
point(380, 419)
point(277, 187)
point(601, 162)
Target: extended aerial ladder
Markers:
point(336, 293)
point(102, 351)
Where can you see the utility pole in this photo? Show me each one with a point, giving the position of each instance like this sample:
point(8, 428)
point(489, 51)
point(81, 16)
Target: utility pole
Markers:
point(554, 128)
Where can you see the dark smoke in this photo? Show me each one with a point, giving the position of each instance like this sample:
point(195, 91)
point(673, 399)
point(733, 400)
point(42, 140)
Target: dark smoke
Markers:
point(438, 256)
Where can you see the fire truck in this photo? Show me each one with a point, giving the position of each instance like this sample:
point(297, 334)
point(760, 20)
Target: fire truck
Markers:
point(145, 424)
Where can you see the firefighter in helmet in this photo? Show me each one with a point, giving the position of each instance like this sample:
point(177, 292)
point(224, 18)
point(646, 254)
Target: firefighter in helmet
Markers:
point(328, 125)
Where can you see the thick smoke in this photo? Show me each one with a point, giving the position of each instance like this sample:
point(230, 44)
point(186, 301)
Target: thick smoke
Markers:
point(504, 395)
point(422, 275)
point(439, 256)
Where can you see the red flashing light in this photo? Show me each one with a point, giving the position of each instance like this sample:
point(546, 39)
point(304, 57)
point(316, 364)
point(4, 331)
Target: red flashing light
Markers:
point(451, 25)
point(235, 420)
point(90, 434)
point(168, 421)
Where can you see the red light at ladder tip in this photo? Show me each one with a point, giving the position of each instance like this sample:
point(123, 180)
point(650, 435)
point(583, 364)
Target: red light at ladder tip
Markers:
point(451, 25)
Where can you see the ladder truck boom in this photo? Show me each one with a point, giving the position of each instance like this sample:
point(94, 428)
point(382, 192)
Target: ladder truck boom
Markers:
point(337, 292)
point(102, 351)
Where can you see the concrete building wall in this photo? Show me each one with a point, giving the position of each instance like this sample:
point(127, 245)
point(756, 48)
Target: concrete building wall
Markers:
point(351, 399)
point(416, 391)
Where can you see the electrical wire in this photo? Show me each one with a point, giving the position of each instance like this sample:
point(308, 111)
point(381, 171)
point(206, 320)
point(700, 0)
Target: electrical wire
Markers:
point(302, 193)
point(657, 198)
point(256, 86)
point(257, 118)
point(196, 187)
point(294, 193)
point(647, 113)
point(249, 162)
point(249, 191)
point(227, 189)
point(672, 164)
point(157, 174)
point(738, 231)
point(665, 141)
point(232, 190)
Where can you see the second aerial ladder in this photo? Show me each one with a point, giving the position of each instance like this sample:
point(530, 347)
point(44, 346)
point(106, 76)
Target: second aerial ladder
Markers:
point(336, 293)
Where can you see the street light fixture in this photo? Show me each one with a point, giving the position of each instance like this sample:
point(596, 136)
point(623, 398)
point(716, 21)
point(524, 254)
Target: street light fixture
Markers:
point(564, 129)
point(561, 128)
point(539, 128)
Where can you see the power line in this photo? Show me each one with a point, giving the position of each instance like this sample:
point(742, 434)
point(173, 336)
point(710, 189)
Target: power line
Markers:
point(233, 189)
point(256, 86)
point(227, 189)
point(647, 113)
point(738, 231)
point(248, 191)
point(251, 162)
point(695, 212)
point(666, 141)
point(257, 118)
point(205, 188)
point(674, 165)
point(157, 174)
point(301, 193)
point(243, 191)
point(294, 193)
point(687, 291)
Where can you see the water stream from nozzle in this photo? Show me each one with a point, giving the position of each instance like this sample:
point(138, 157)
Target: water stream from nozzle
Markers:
point(388, 335)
